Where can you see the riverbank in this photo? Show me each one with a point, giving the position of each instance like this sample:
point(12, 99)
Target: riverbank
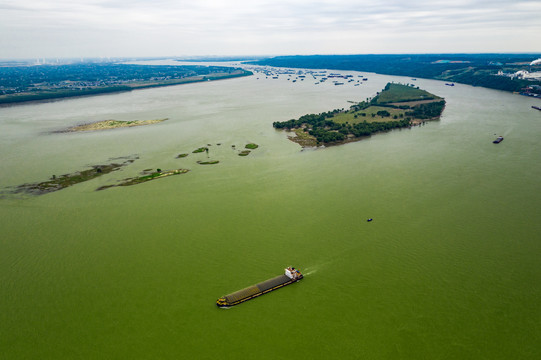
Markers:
point(492, 71)
point(53, 94)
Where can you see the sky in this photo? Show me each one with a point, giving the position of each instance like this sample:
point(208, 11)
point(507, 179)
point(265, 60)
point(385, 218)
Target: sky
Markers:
point(156, 28)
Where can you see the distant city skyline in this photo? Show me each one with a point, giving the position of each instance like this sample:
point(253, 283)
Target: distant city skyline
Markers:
point(138, 28)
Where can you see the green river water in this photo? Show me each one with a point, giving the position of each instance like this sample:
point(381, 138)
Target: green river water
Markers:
point(448, 269)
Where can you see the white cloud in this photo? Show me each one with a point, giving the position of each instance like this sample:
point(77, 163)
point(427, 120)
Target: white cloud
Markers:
point(31, 28)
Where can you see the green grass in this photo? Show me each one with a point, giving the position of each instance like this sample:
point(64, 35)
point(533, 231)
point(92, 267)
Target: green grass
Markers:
point(402, 93)
point(251, 146)
point(349, 116)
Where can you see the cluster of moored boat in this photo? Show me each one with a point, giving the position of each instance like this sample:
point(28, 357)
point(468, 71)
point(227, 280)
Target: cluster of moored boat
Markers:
point(320, 76)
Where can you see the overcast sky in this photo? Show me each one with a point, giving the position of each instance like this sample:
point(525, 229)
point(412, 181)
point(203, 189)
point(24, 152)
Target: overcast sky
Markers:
point(123, 28)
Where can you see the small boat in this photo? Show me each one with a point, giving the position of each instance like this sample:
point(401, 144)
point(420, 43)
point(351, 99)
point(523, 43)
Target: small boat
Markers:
point(449, 84)
point(498, 140)
point(536, 107)
point(290, 276)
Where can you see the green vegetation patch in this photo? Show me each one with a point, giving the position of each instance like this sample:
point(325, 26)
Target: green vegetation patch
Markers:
point(63, 181)
point(244, 153)
point(200, 150)
point(251, 146)
point(209, 162)
point(370, 114)
point(401, 93)
point(180, 156)
point(158, 174)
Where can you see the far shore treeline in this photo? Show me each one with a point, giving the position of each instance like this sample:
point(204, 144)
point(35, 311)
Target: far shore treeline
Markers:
point(47, 82)
point(471, 69)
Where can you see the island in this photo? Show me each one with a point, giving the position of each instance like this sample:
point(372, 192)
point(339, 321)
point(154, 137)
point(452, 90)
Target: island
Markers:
point(396, 106)
point(146, 175)
point(250, 146)
point(60, 182)
point(56, 183)
point(111, 124)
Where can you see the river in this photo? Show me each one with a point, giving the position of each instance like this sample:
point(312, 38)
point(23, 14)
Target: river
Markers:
point(447, 269)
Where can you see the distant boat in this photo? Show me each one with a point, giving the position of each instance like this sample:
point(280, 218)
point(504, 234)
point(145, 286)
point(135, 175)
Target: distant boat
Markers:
point(498, 140)
point(536, 107)
point(338, 83)
point(449, 84)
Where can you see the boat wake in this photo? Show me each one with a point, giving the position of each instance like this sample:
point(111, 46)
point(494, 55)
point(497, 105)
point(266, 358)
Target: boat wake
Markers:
point(309, 271)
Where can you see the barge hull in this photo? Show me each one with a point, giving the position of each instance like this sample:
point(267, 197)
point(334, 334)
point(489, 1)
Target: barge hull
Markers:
point(256, 290)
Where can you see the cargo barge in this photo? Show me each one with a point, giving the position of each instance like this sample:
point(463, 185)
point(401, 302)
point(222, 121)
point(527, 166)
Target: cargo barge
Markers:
point(291, 275)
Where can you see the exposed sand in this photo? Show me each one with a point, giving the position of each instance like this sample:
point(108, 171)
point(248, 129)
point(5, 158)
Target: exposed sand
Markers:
point(112, 124)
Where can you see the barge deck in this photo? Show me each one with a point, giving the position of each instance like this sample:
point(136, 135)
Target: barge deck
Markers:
point(290, 276)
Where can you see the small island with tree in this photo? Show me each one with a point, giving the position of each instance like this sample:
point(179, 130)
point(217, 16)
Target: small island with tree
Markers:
point(396, 106)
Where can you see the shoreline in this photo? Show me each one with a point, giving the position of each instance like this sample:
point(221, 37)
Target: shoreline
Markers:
point(36, 98)
point(311, 143)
